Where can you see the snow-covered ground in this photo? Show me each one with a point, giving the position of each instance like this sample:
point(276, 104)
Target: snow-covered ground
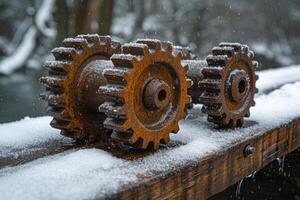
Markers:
point(94, 173)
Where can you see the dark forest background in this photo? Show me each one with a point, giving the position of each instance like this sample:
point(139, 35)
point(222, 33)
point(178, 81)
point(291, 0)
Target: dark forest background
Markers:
point(270, 27)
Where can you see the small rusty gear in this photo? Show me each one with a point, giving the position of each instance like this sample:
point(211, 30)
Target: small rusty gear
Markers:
point(146, 93)
point(72, 83)
point(228, 84)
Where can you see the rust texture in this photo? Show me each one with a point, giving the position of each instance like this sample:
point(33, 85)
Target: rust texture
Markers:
point(136, 94)
point(225, 83)
point(72, 83)
point(148, 93)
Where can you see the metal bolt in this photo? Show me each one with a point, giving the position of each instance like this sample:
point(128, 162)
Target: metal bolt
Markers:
point(249, 150)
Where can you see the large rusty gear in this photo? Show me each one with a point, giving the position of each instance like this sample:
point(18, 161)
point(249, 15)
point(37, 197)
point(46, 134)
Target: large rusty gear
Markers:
point(229, 84)
point(146, 93)
point(72, 83)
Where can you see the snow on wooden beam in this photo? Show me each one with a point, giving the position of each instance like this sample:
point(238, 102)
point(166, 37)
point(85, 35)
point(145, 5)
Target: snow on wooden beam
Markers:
point(199, 162)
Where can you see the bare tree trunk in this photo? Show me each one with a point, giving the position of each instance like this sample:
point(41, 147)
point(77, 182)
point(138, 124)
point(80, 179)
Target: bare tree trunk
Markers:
point(105, 16)
point(139, 19)
point(62, 20)
point(81, 13)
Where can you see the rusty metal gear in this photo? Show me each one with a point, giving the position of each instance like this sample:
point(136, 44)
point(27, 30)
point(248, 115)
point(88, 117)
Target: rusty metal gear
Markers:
point(72, 83)
point(146, 93)
point(229, 84)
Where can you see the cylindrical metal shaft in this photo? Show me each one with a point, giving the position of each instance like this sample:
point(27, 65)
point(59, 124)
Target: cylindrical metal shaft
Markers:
point(195, 74)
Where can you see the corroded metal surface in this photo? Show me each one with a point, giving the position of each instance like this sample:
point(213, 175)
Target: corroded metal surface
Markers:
point(149, 93)
point(136, 94)
point(225, 83)
point(72, 83)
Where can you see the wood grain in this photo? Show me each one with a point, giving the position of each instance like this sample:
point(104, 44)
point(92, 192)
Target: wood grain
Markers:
point(214, 173)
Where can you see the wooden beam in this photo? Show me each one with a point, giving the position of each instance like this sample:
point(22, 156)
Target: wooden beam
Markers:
point(214, 173)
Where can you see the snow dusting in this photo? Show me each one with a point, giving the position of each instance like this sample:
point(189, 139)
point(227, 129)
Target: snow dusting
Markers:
point(270, 79)
point(21, 137)
point(94, 173)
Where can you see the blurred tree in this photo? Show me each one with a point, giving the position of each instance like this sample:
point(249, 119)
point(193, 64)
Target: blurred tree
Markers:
point(93, 16)
point(62, 15)
point(105, 16)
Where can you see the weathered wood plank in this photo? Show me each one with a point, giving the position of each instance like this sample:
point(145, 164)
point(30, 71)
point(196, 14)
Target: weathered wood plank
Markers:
point(214, 173)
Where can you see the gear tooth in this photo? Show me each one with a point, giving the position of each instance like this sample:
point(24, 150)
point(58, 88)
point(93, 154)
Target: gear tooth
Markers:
point(255, 63)
point(253, 103)
point(240, 122)
point(245, 49)
point(52, 81)
point(185, 51)
point(229, 51)
point(247, 114)
point(137, 49)
point(91, 38)
point(123, 60)
point(117, 74)
point(176, 129)
point(213, 72)
point(145, 143)
point(166, 138)
point(64, 53)
point(60, 66)
point(214, 84)
point(58, 113)
point(112, 110)
point(215, 119)
point(168, 47)
point(219, 60)
point(209, 98)
point(116, 45)
point(105, 40)
point(232, 123)
point(236, 46)
point(190, 82)
point(186, 68)
point(179, 57)
point(251, 54)
point(77, 43)
point(60, 123)
point(256, 77)
point(151, 43)
point(121, 136)
point(256, 90)
point(212, 110)
point(116, 124)
point(54, 99)
point(112, 90)
point(156, 144)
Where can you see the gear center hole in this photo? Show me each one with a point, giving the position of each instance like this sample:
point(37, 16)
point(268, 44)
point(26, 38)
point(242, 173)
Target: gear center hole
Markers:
point(242, 86)
point(162, 95)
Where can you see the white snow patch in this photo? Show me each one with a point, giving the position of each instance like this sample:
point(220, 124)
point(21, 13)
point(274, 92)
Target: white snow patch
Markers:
point(28, 131)
point(92, 173)
point(270, 79)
